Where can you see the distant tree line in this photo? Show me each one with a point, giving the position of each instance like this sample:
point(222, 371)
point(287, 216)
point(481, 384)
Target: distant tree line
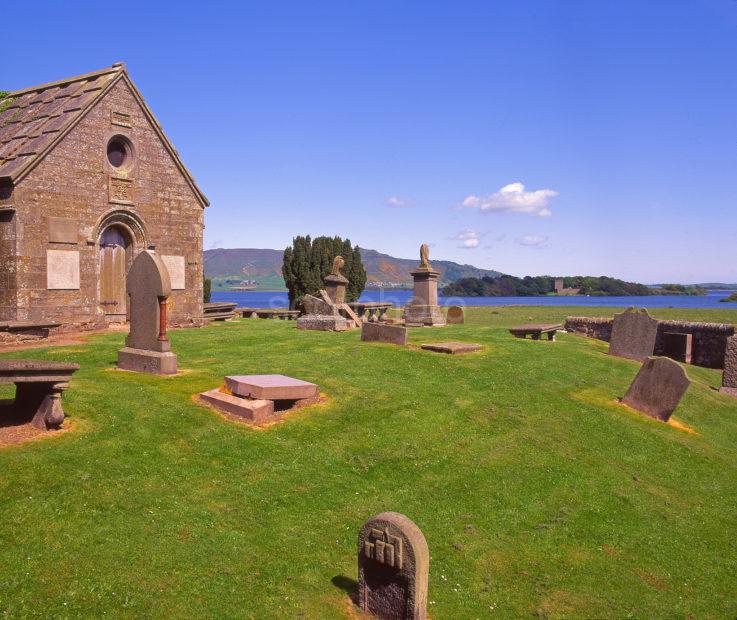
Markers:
point(307, 261)
point(529, 286)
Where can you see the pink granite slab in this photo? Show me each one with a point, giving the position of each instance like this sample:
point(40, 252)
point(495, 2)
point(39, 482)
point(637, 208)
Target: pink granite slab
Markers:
point(270, 387)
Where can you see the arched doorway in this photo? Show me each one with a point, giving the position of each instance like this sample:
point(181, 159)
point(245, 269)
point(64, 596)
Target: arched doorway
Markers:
point(115, 255)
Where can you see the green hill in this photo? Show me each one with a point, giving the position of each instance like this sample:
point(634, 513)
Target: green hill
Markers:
point(228, 266)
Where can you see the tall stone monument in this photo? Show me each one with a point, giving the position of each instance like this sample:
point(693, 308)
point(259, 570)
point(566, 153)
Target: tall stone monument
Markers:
point(424, 309)
point(335, 282)
point(147, 349)
point(729, 376)
point(393, 568)
point(324, 312)
point(633, 334)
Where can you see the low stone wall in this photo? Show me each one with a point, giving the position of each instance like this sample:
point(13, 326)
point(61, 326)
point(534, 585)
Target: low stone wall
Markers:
point(709, 339)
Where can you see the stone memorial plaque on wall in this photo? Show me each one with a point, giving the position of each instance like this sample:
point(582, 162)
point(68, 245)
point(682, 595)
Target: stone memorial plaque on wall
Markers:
point(121, 191)
point(63, 230)
point(175, 266)
point(62, 269)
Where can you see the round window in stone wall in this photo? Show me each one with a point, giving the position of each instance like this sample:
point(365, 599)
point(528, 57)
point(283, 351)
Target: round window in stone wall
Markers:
point(119, 152)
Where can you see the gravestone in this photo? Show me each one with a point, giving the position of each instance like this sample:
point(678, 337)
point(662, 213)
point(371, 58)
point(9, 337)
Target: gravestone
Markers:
point(456, 315)
point(382, 332)
point(336, 282)
point(678, 346)
point(729, 376)
point(424, 309)
point(452, 348)
point(270, 387)
point(633, 334)
point(147, 349)
point(393, 567)
point(658, 388)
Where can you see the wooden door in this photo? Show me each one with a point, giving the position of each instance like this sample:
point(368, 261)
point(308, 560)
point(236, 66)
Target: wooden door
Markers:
point(113, 267)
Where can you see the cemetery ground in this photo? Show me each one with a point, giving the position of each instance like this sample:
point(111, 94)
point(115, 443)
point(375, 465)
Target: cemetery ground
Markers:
point(538, 493)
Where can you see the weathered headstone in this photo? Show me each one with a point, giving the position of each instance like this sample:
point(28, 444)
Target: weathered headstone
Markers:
point(456, 315)
point(424, 309)
point(729, 376)
point(633, 334)
point(393, 568)
point(678, 346)
point(658, 388)
point(382, 332)
point(147, 349)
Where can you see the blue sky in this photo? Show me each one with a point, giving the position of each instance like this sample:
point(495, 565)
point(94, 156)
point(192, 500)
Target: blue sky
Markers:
point(583, 137)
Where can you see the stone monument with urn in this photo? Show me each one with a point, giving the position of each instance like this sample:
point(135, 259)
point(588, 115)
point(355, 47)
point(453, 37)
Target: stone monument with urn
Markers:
point(147, 349)
point(424, 308)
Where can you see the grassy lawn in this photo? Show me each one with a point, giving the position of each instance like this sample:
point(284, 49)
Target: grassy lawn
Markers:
point(537, 492)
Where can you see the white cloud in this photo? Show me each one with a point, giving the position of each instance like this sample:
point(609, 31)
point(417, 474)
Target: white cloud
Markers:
point(513, 198)
point(397, 202)
point(532, 241)
point(469, 239)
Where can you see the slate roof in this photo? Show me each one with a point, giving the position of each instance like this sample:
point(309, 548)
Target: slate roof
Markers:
point(39, 117)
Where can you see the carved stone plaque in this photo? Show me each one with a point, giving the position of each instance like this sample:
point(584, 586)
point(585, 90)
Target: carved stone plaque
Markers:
point(175, 266)
point(121, 191)
point(120, 118)
point(62, 269)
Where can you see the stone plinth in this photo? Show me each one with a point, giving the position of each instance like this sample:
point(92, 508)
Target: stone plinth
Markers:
point(322, 323)
point(393, 568)
point(141, 360)
point(270, 387)
point(658, 388)
point(335, 287)
point(381, 332)
point(424, 307)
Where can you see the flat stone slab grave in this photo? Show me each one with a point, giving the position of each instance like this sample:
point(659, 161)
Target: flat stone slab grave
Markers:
point(39, 385)
point(381, 332)
point(253, 410)
point(270, 387)
point(536, 330)
point(658, 388)
point(452, 348)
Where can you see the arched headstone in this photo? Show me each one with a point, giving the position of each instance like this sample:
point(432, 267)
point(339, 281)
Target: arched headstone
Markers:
point(456, 315)
point(658, 388)
point(147, 347)
point(393, 567)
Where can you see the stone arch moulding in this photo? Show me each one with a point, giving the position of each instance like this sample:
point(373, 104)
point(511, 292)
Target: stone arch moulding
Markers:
point(126, 219)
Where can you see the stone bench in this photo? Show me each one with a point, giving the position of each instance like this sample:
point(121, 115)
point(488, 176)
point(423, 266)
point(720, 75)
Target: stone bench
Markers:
point(219, 311)
point(39, 385)
point(536, 330)
point(29, 328)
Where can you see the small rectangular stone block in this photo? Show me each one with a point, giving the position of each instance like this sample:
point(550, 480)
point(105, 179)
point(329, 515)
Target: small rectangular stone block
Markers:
point(142, 360)
point(270, 387)
point(380, 332)
point(452, 348)
point(252, 410)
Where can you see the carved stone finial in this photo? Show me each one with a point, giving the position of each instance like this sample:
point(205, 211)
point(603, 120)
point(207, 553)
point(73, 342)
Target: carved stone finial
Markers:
point(338, 263)
point(425, 256)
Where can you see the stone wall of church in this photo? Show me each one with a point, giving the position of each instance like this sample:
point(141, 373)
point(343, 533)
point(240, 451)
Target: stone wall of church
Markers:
point(62, 205)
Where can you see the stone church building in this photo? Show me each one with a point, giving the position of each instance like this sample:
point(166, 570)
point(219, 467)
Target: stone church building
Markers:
point(87, 180)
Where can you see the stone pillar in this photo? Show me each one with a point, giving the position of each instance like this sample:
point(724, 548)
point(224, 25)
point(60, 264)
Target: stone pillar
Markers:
point(424, 307)
point(335, 287)
point(729, 376)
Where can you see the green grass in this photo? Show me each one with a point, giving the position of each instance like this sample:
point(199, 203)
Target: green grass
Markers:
point(537, 492)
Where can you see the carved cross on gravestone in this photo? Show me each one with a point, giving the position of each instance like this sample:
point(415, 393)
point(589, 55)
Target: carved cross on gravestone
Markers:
point(393, 567)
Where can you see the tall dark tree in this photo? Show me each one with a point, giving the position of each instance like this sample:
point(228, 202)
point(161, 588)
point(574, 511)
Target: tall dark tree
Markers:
point(308, 261)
